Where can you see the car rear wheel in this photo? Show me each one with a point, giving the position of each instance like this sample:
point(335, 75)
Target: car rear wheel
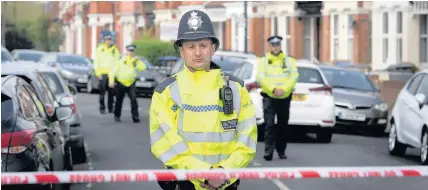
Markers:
point(79, 154)
point(424, 147)
point(324, 135)
point(396, 148)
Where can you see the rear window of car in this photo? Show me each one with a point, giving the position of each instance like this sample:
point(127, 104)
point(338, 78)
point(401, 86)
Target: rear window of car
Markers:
point(28, 56)
point(309, 75)
point(53, 83)
point(74, 59)
point(6, 116)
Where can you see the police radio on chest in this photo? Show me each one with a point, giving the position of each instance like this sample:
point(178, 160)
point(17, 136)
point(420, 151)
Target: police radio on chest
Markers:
point(226, 96)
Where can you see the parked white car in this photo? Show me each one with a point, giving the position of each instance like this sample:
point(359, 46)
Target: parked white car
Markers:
point(409, 118)
point(312, 107)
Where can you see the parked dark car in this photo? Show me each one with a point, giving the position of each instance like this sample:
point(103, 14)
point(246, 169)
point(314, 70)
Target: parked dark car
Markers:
point(29, 55)
point(65, 93)
point(48, 100)
point(146, 81)
point(30, 141)
point(358, 102)
point(73, 68)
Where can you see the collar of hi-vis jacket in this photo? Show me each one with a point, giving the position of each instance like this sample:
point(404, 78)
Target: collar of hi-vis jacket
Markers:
point(129, 59)
point(106, 48)
point(280, 56)
point(200, 80)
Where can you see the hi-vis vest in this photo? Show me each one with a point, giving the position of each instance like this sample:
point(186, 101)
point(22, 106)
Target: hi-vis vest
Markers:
point(126, 71)
point(277, 72)
point(105, 59)
point(188, 129)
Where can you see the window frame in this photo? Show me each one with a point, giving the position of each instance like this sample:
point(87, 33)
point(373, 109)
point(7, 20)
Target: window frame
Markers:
point(423, 37)
point(385, 36)
point(350, 37)
point(417, 85)
point(334, 36)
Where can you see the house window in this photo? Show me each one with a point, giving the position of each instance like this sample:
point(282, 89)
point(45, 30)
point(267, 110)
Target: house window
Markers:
point(423, 27)
point(274, 26)
point(351, 37)
point(334, 30)
point(370, 38)
point(384, 37)
point(399, 44)
point(287, 37)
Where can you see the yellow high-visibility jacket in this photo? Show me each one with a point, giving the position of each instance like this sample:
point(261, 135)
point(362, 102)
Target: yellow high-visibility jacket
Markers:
point(188, 129)
point(126, 71)
point(277, 72)
point(105, 59)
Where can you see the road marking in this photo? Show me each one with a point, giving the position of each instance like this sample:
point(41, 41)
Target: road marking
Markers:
point(277, 182)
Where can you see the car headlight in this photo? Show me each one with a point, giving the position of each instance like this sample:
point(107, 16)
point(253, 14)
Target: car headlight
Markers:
point(381, 106)
point(68, 74)
point(142, 79)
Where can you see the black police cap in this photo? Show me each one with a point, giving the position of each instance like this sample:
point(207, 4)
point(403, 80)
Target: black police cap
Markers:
point(274, 39)
point(195, 25)
point(131, 47)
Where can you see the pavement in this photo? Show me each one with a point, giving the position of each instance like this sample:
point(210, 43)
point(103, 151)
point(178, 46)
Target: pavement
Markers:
point(125, 145)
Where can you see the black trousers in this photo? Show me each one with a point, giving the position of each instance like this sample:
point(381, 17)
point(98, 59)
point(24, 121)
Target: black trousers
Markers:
point(120, 94)
point(103, 86)
point(187, 185)
point(276, 135)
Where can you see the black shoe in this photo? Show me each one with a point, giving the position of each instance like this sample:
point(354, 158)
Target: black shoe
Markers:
point(268, 157)
point(117, 119)
point(102, 111)
point(282, 156)
point(136, 120)
point(110, 111)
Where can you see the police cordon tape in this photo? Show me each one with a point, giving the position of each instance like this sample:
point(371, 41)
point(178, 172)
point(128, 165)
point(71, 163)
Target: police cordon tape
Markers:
point(111, 176)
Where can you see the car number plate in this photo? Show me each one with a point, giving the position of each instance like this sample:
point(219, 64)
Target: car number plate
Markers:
point(298, 97)
point(350, 116)
point(143, 84)
point(82, 80)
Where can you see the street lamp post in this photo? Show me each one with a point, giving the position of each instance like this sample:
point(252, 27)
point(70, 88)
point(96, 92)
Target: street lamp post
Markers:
point(246, 25)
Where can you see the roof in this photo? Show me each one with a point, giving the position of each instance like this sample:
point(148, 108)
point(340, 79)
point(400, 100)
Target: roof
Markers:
point(19, 67)
point(28, 50)
point(306, 63)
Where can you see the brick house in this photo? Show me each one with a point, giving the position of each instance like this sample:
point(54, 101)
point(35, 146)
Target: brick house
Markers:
point(325, 31)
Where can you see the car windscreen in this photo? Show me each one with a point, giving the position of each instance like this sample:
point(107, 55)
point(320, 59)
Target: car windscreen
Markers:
point(73, 59)
point(309, 75)
point(5, 56)
point(28, 56)
point(53, 83)
point(348, 79)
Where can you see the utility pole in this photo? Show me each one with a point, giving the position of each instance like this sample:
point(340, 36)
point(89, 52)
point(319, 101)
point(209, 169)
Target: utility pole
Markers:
point(246, 26)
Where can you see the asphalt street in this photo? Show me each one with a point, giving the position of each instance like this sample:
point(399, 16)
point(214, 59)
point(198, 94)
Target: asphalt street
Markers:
point(125, 145)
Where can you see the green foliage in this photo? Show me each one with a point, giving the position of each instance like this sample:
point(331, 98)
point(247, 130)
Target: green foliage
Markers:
point(16, 39)
point(152, 49)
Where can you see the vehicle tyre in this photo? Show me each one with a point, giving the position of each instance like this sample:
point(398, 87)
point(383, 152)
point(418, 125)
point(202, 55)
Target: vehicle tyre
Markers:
point(79, 154)
point(89, 86)
point(324, 135)
point(424, 147)
point(396, 148)
point(68, 161)
point(260, 133)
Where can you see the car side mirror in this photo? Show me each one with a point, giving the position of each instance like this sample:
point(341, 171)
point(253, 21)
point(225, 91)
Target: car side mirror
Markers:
point(72, 89)
point(421, 99)
point(63, 113)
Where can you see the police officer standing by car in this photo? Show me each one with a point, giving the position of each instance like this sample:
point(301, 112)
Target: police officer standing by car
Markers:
point(201, 118)
point(124, 76)
point(106, 56)
point(277, 75)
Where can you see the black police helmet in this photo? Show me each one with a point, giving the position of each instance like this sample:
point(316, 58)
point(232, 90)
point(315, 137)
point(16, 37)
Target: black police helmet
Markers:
point(195, 25)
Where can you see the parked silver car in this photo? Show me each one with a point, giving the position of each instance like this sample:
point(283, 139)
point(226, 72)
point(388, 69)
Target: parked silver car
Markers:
point(66, 92)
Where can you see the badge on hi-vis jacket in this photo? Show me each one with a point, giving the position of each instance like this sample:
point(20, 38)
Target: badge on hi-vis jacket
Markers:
point(230, 124)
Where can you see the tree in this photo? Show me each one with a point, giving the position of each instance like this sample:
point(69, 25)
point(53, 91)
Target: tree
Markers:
point(17, 39)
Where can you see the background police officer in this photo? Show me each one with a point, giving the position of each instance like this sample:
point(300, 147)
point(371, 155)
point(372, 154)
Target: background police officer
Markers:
point(106, 56)
point(125, 74)
point(277, 75)
point(197, 101)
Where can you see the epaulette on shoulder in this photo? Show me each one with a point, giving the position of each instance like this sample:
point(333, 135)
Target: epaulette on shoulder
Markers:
point(161, 87)
point(236, 79)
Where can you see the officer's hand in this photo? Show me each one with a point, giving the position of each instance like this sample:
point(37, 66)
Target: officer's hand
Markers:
point(278, 92)
point(100, 77)
point(214, 184)
point(111, 85)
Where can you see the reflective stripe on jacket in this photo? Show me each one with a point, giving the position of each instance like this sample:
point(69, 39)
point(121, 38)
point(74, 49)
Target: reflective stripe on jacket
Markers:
point(126, 71)
point(277, 72)
point(188, 129)
point(105, 58)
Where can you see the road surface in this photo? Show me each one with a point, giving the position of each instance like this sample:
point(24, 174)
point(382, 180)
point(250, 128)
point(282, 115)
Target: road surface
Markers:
point(125, 145)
